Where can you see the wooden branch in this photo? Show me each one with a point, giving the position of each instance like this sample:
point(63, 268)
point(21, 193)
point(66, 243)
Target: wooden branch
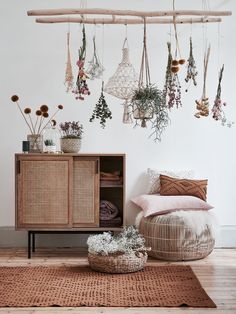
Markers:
point(127, 12)
point(51, 20)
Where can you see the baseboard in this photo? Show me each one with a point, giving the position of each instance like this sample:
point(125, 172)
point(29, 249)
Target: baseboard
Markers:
point(9, 237)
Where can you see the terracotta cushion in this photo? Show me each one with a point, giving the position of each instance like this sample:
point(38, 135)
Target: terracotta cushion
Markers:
point(172, 186)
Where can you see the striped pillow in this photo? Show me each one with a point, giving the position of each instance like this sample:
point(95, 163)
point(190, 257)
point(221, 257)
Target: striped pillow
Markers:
point(172, 186)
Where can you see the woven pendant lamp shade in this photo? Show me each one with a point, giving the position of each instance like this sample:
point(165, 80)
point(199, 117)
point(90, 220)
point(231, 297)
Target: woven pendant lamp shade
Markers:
point(123, 82)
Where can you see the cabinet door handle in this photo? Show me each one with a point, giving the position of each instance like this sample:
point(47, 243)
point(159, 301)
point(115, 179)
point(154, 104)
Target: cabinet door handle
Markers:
point(18, 166)
point(96, 166)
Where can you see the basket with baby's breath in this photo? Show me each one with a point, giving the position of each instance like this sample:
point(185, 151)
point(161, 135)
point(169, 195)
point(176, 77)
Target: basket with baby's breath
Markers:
point(71, 136)
point(123, 253)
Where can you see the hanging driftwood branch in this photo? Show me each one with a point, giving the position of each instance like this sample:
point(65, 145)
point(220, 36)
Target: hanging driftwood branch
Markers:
point(134, 21)
point(126, 12)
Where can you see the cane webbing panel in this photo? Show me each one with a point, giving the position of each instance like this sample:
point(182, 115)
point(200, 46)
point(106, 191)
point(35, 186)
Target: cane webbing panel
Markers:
point(171, 239)
point(44, 192)
point(84, 191)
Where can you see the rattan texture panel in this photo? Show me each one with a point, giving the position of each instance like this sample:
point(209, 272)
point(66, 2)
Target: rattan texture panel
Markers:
point(83, 191)
point(44, 192)
point(171, 239)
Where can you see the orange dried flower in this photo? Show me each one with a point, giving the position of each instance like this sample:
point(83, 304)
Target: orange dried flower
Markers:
point(44, 108)
point(27, 111)
point(60, 107)
point(38, 112)
point(182, 61)
point(45, 114)
point(14, 98)
point(54, 122)
point(175, 62)
point(174, 69)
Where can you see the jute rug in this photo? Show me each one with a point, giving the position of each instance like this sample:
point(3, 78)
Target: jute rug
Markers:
point(80, 286)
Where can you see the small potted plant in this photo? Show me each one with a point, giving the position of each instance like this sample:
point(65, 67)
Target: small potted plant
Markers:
point(123, 253)
point(50, 146)
point(71, 136)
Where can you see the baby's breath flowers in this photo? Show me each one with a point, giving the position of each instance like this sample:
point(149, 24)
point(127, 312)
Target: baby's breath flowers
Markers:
point(41, 114)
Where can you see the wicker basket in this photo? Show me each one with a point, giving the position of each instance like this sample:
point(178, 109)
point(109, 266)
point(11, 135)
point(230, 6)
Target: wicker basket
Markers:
point(171, 239)
point(117, 263)
point(70, 145)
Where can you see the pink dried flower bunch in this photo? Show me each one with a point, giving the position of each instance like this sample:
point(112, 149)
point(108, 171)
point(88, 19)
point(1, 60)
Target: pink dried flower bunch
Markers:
point(81, 88)
point(37, 126)
point(217, 110)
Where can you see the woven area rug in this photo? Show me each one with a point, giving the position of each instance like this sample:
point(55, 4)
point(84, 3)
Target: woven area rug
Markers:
point(71, 286)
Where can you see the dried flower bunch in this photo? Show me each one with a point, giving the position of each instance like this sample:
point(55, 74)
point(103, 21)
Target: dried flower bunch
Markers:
point(95, 68)
point(127, 242)
point(41, 115)
point(172, 87)
point(203, 103)
point(217, 110)
point(68, 75)
point(101, 110)
point(81, 83)
point(191, 69)
point(71, 129)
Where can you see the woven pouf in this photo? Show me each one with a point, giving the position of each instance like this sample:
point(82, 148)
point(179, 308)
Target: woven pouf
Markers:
point(171, 239)
point(117, 264)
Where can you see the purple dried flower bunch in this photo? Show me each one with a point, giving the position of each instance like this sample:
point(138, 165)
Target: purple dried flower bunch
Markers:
point(81, 88)
point(71, 129)
point(217, 110)
point(172, 86)
point(42, 115)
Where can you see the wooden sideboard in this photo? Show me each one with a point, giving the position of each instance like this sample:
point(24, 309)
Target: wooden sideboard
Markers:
point(63, 191)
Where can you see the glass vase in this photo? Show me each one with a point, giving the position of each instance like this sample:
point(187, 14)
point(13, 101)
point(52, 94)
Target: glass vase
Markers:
point(35, 143)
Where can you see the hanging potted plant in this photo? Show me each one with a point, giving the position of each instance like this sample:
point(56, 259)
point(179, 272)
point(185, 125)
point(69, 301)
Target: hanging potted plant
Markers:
point(148, 102)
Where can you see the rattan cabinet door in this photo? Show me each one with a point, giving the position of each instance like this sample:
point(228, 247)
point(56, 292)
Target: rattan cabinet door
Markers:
point(43, 192)
point(85, 192)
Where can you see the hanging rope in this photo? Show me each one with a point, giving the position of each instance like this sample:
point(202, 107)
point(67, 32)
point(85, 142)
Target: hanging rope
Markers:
point(177, 48)
point(144, 69)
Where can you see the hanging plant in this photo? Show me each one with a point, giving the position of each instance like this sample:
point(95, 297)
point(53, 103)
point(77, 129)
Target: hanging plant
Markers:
point(68, 75)
point(101, 110)
point(172, 87)
point(203, 103)
point(95, 68)
point(217, 110)
point(147, 100)
point(82, 89)
point(191, 69)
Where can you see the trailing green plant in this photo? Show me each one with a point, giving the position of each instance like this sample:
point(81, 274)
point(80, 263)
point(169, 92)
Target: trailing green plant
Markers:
point(71, 129)
point(49, 143)
point(101, 110)
point(148, 104)
point(127, 242)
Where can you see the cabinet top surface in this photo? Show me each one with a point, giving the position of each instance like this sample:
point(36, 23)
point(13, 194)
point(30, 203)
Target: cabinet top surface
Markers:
point(68, 154)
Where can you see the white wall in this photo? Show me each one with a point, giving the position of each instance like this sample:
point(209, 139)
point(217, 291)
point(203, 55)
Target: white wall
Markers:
point(32, 64)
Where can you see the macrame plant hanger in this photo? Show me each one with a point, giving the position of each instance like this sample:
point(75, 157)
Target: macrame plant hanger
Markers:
point(146, 112)
point(69, 74)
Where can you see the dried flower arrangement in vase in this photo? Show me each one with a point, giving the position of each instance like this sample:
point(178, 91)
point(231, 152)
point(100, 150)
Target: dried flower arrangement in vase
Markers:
point(71, 136)
point(217, 110)
point(36, 128)
point(101, 110)
point(123, 253)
